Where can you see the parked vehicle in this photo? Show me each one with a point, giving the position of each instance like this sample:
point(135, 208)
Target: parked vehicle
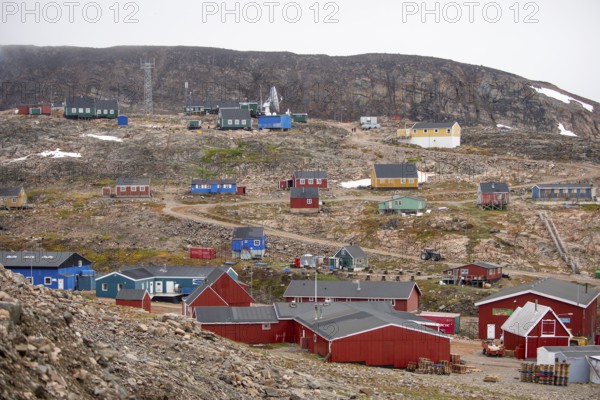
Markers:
point(578, 341)
point(430, 254)
point(491, 348)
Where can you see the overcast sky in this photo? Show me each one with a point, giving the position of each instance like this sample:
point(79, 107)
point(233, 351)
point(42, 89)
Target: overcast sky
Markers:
point(548, 40)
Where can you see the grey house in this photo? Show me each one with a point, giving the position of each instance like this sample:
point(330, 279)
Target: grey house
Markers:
point(351, 258)
point(234, 118)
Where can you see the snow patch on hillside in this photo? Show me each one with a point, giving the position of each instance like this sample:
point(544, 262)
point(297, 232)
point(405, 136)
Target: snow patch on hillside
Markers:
point(103, 137)
point(562, 97)
point(565, 132)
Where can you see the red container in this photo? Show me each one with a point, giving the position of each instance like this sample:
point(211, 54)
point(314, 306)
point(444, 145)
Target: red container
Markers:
point(520, 352)
point(448, 321)
point(205, 253)
point(23, 110)
point(240, 190)
point(46, 109)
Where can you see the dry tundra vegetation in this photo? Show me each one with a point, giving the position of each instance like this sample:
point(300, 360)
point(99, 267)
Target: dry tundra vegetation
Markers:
point(67, 212)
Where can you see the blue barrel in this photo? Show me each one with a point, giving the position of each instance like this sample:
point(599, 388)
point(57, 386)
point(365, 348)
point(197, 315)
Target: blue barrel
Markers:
point(122, 120)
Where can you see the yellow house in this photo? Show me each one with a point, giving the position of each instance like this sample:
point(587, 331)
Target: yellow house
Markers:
point(14, 197)
point(394, 176)
point(426, 134)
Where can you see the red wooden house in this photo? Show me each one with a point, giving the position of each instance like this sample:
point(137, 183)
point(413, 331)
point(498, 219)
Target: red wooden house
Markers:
point(493, 195)
point(36, 109)
point(575, 304)
point(133, 187)
point(316, 179)
point(134, 298)
point(404, 296)
point(533, 326)
point(304, 200)
point(476, 274)
point(219, 289)
point(372, 333)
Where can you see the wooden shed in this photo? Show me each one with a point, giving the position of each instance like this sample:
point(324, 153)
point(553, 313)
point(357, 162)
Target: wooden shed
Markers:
point(475, 273)
point(493, 195)
point(133, 187)
point(533, 326)
point(304, 200)
point(134, 298)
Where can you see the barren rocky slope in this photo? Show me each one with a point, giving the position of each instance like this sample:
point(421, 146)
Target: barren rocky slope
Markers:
point(413, 87)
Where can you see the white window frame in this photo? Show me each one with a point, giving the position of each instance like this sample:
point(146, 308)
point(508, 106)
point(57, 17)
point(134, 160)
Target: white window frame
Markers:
point(308, 201)
point(448, 130)
point(110, 111)
point(47, 280)
point(119, 287)
point(237, 121)
point(411, 180)
point(88, 110)
point(257, 242)
point(464, 271)
point(424, 130)
point(122, 188)
point(435, 130)
point(403, 180)
point(302, 181)
point(243, 122)
point(266, 327)
point(310, 181)
point(80, 110)
point(14, 199)
point(319, 181)
point(98, 112)
point(229, 122)
point(105, 287)
point(548, 321)
point(134, 188)
point(74, 110)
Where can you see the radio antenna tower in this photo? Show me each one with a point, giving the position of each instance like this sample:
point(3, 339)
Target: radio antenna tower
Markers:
point(148, 104)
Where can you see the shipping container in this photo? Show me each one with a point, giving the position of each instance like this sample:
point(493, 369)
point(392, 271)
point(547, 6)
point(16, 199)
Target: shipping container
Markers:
point(194, 124)
point(300, 117)
point(23, 110)
point(240, 190)
point(275, 122)
point(205, 253)
point(449, 322)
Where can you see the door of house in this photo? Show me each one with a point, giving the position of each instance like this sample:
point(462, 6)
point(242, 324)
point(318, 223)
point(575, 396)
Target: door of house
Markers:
point(491, 331)
point(151, 287)
point(61, 283)
point(159, 287)
point(170, 287)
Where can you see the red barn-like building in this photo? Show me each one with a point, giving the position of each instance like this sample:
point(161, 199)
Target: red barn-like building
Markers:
point(134, 298)
point(404, 296)
point(304, 200)
point(133, 187)
point(372, 333)
point(476, 274)
point(306, 179)
point(219, 289)
point(575, 304)
point(493, 195)
point(533, 326)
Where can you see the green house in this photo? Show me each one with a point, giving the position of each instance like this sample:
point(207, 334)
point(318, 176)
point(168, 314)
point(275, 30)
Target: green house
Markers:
point(234, 118)
point(107, 109)
point(403, 204)
point(300, 117)
point(252, 106)
point(80, 107)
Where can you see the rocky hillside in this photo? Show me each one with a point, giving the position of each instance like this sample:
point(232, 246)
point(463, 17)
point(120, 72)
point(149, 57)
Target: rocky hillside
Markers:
point(412, 87)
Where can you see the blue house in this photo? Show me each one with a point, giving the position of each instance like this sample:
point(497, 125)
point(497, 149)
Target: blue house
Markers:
point(275, 122)
point(248, 243)
point(213, 186)
point(562, 191)
point(166, 283)
point(54, 270)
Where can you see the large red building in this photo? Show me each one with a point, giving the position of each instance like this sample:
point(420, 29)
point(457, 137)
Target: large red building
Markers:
point(533, 326)
point(219, 289)
point(476, 274)
point(372, 333)
point(575, 304)
point(134, 298)
point(306, 179)
point(404, 296)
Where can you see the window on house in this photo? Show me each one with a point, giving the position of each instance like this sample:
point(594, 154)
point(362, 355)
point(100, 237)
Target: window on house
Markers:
point(435, 130)
point(448, 130)
point(105, 287)
point(414, 131)
point(308, 201)
point(302, 181)
point(257, 242)
point(311, 299)
point(243, 122)
point(80, 110)
point(229, 122)
point(266, 327)
point(119, 287)
point(403, 180)
point(464, 271)
point(122, 188)
point(47, 280)
point(88, 110)
point(14, 199)
point(411, 180)
point(205, 187)
point(74, 110)
point(548, 327)
point(30, 279)
point(237, 121)
point(319, 181)
point(110, 112)
point(98, 112)
point(134, 188)
point(425, 130)
point(310, 181)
